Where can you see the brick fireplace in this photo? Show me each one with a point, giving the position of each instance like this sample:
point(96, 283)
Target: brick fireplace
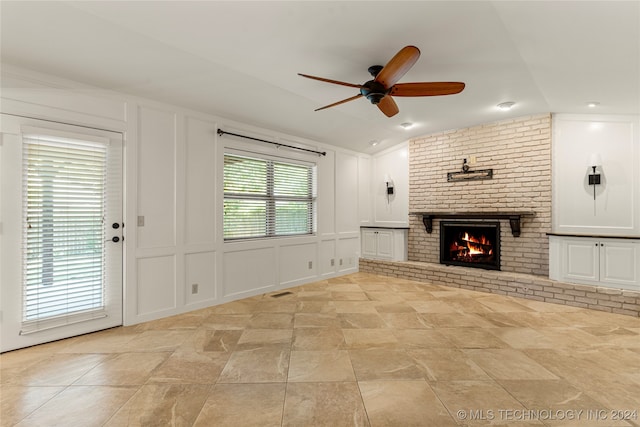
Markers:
point(519, 153)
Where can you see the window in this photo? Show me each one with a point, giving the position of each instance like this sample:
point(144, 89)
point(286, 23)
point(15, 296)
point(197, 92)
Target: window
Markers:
point(267, 198)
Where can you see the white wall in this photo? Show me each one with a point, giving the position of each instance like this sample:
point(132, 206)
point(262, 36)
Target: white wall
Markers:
point(382, 211)
point(616, 208)
point(173, 178)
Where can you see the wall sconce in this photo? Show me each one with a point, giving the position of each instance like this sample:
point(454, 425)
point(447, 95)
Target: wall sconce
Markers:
point(594, 178)
point(389, 183)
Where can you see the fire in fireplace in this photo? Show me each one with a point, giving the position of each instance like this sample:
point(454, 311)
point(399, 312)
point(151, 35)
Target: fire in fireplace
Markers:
point(470, 244)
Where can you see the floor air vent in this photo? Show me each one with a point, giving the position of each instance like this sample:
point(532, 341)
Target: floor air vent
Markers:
point(281, 294)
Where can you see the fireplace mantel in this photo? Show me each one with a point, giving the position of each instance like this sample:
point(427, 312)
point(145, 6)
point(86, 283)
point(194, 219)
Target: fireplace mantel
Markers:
point(513, 217)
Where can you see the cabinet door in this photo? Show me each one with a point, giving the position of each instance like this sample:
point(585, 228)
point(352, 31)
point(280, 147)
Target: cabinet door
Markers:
point(580, 260)
point(369, 244)
point(619, 261)
point(385, 244)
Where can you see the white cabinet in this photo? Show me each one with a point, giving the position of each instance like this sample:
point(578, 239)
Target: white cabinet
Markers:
point(620, 263)
point(596, 261)
point(581, 260)
point(384, 243)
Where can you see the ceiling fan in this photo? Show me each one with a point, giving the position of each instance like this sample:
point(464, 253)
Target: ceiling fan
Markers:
point(383, 86)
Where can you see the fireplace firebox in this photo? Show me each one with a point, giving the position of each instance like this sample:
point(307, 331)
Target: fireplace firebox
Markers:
point(470, 244)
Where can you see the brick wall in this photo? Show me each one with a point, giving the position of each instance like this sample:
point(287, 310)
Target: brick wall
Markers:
point(519, 152)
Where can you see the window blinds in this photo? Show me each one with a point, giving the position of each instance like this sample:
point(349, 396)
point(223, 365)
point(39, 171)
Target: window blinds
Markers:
point(63, 212)
point(267, 198)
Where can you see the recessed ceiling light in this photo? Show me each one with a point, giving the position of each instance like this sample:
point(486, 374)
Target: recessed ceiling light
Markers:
point(406, 125)
point(592, 104)
point(504, 106)
point(374, 142)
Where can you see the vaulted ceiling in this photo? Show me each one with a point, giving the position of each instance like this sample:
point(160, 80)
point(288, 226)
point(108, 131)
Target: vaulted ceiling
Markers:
point(240, 59)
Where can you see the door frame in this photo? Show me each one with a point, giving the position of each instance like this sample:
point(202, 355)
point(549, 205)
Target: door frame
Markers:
point(11, 195)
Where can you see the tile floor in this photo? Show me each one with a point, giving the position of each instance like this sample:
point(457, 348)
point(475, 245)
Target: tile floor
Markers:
point(357, 350)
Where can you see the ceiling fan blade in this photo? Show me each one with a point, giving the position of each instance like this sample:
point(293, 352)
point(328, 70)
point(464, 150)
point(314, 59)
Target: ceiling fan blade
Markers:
point(398, 66)
point(322, 79)
point(426, 89)
point(339, 102)
point(388, 106)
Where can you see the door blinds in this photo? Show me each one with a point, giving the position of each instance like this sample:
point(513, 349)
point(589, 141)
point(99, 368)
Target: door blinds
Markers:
point(64, 185)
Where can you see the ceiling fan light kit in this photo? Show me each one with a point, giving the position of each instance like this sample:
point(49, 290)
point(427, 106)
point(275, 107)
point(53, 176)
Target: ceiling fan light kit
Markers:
point(380, 90)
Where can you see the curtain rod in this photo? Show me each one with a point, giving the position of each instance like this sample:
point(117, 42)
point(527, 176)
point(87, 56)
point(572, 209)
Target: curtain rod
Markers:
point(320, 153)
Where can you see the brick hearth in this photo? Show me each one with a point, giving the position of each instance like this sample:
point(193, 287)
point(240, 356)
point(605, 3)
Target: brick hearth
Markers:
point(512, 284)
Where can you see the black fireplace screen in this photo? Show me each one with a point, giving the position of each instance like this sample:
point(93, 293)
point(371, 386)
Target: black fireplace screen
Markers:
point(470, 244)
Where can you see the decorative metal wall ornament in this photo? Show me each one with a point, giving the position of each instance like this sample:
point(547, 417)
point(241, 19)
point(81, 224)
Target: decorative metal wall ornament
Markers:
point(469, 175)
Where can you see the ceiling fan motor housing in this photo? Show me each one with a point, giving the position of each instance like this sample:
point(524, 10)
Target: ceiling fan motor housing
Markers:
point(373, 91)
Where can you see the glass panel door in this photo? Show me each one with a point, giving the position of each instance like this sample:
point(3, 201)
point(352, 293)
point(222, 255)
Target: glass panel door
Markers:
point(69, 275)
